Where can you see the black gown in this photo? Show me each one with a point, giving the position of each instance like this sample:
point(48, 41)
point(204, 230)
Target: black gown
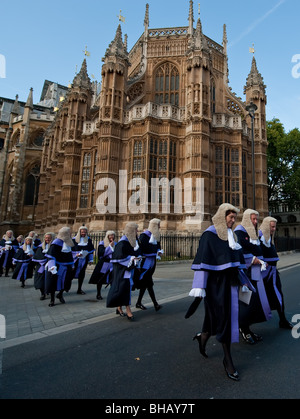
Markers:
point(6, 256)
point(122, 276)
point(258, 310)
point(102, 271)
point(40, 259)
point(148, 265)
point(64, 262)
point(82, 262)
point(24, 266)
point(271, 277)
point(216, 268)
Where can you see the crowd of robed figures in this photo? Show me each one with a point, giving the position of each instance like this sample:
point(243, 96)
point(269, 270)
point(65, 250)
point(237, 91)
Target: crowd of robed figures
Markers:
point(235, 272)
point(123, 266)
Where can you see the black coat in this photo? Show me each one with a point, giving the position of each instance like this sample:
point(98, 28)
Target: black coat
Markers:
point(24, 266)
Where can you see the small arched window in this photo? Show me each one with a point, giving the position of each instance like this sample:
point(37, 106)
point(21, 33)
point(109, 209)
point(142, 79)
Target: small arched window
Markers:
point(32, 186)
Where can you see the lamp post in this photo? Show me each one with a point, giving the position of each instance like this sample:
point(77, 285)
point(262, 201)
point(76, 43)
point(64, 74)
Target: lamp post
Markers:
point(251, 108)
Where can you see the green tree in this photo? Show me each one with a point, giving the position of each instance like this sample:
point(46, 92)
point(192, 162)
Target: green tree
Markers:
point(283, 163)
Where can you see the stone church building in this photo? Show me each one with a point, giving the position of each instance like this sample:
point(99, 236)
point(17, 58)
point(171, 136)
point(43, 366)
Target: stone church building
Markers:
point(165, 137)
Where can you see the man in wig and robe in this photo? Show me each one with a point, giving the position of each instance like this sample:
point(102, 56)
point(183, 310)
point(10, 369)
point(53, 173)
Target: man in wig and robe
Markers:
point(60, 266)
point(83, 253)
point(216, 280)
point(258, 310)
point(103, 269)
point(125, 259)
point(271, 275)
point(151, 251)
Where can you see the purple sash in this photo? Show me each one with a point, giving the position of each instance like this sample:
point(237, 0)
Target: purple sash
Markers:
point(234, 314)
point(257, 276)
point(272, 272)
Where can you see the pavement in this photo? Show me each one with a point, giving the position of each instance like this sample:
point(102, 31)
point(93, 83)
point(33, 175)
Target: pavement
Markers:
point(28, 318)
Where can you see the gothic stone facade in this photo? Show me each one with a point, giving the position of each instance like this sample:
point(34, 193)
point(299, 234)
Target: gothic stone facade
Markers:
point(165, 112)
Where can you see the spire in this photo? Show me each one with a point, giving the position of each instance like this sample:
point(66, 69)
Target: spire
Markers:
point(29, 103)
point(16, 106)
point(117, 47)
point(82, 79)
point(225, 40)
point(146, 20)
point(191, 18)
point(254, 78)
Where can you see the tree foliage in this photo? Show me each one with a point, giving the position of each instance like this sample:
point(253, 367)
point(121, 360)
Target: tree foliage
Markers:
point(283, 163)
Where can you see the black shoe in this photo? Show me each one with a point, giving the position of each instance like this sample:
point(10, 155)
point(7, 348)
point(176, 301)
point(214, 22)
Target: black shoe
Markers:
point(130, 317)
point(141, 306)
point(80, 292)
point(61, 298)
point(201, 348)
point(285, 324)
point(235, 376)
point(120, 313)
point(51, 304)
point(247, 337)
point(43, 297)
point(99, 297)
point(157, 307)
point(256, 337)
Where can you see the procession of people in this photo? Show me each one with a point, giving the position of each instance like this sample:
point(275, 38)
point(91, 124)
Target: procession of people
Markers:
point(235, 273)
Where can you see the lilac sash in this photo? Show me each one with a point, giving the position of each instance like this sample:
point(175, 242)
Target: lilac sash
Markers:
point(234, 314)
point(272, 273)
point(257, 276)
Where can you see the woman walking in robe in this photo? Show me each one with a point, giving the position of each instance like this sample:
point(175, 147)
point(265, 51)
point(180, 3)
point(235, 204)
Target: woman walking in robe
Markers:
point(103, 269)
point(124, 261)
point(216, 279)
point(150, 250)
point(83, 253)
point(23, 262)
point(40, 259)
point(60, 266)
point(8, 247)
point(271, 275)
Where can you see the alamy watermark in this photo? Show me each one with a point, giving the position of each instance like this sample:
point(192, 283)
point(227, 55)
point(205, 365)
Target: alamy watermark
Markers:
point(296, 328)
point(187, 198)
point(2, 327)
point(2, 67)
point(296, 67)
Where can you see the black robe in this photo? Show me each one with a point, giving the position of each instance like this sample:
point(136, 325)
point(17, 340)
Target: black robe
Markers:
point(64, 262)
point(40, 259)
point(271, 277)
point(122, 276)
point(24, 266)
point(149, 253)
point(103, 269)
point(258, 310)
point(81, 263)
point(6, 256)
point(216, 268)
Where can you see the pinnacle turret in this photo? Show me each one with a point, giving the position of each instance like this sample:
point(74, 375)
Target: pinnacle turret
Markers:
point(254, 78)
point(82, 79)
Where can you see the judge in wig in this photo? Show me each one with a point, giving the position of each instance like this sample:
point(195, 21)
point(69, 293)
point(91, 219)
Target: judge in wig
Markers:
point(216, 279)
point(60, 266)
point(8, 248)
point(103, 269)
point(125, 257)
point(40, 259)
point(258, 310)
point(23, 262)
point(83, 253)
point(151, 251)
point(271, 275)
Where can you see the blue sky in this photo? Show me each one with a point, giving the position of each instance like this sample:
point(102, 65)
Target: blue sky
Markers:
point(46, 40)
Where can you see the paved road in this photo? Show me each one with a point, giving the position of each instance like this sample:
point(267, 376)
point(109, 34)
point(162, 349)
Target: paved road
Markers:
point(107, 357)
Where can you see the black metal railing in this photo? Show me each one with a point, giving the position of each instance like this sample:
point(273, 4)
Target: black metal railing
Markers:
point(175, 246)
point(180, 247)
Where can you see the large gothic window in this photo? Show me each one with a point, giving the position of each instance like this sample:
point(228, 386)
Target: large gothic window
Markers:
point(167, 85)
point(32, 186)
point(227, 178)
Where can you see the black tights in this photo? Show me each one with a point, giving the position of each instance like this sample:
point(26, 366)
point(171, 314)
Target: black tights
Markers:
point(226, 349)
point(151, 294)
